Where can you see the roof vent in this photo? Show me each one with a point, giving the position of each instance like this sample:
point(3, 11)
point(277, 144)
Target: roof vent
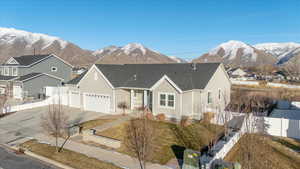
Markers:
point(194, 66)
point(134, 77)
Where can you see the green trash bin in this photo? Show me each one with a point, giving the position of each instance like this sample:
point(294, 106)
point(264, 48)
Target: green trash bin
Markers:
point(191, 159)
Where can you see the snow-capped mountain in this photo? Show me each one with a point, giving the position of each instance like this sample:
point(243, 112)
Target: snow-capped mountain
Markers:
point(15, 42)
point(131, 53)
point(283, 51)
point(237, 53)
point(177, 59)
point(278, 49)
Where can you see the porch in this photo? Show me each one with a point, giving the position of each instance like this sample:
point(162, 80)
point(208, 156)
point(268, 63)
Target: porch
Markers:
point(140, 98)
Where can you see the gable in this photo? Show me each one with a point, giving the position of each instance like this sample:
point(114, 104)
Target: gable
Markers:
point(220, 79)
point(165, 86)
point(94, 82)
point(12, 61)
point(162, 82)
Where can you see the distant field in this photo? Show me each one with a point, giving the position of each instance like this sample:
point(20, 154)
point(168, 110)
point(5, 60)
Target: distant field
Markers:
point(274, 93)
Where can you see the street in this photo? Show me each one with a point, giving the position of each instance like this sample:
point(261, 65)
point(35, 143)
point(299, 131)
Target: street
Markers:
point(10, 160)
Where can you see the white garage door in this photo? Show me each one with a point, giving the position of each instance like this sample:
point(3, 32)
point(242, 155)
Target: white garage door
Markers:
point(74, 98)
point(17, 92)
point(97, 103)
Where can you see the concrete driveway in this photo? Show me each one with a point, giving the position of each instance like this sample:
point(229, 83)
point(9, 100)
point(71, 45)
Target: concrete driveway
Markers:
point(27, 123)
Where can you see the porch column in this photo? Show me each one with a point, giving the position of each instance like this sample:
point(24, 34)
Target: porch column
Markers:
point(131, 99)
point(145, 98)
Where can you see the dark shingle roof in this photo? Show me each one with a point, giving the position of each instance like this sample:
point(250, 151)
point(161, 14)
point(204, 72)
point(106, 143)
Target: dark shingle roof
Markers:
point(29, 59)
point(28, 76)
point(147, 75)
point(7, 77)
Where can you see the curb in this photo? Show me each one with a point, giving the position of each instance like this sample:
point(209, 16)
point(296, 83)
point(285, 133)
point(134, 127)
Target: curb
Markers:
point(39, 157)
point(47, 160)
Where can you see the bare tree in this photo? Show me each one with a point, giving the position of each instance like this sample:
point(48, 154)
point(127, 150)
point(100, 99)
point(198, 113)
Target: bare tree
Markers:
point(55, 122)
point(123, 106)
point(139, 139)
point(250, 154)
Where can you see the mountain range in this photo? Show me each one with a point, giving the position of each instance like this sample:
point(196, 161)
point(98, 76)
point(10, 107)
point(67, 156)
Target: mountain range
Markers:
point(15, 42)
point(238, 53)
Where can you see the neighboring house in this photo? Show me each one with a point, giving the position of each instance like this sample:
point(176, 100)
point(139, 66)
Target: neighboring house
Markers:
point(238, 72)
point(175, 90)
point(78, 70)
point(27, 75)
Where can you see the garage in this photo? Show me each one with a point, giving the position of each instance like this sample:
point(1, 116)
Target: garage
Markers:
point(96, 102)
point(74, 97)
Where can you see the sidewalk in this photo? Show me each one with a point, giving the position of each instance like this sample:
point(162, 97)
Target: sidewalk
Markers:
point(118, 159)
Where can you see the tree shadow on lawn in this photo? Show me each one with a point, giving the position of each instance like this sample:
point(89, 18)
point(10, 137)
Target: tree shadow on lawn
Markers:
point(179, 153)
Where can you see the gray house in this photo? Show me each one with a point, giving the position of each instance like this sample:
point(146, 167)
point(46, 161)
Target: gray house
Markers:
point(175, 90)
point(26, 76)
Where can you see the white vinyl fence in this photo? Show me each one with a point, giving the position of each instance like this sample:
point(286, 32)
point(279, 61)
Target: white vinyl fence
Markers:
point(282, 127)
point(239, 82)
point(58, 96)
point(270, 84)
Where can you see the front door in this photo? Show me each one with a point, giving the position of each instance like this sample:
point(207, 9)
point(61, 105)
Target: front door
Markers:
point(138, 97)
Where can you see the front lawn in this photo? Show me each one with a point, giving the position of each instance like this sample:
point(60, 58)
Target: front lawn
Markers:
point(67, 157)
point(170, 138)
point(98, 122)
point(274, 153)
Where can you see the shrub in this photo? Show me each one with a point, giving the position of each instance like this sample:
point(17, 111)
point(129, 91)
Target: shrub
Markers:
point(123, 106)
point(161, 117)
point(149, 116)
point(208, 116)
point(185, 121)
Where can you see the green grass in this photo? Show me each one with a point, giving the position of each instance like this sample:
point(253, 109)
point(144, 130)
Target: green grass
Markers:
point(67, 157)
point(170, 139)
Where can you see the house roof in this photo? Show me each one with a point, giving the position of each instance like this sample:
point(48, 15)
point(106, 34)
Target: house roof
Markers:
point(146, 75)
point(28, 76)
point(76, 79)
point(26, 60)
point(7, 77)
point(33, 75)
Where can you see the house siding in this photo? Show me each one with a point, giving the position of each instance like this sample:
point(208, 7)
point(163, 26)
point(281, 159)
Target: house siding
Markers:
point(35, 86)
point(218, 81)
point(64, 71)
point(122, 95)
point(89, 85)
point(187, 103)
point(166, 87)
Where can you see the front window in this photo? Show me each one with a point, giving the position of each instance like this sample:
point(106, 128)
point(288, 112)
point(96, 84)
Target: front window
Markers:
point(209, 98)
point(162, 100)
point(167, 100)
point(14, 71)
point(6, 71)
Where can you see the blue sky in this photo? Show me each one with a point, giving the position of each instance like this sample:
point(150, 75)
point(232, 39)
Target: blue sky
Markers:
point(183, 28)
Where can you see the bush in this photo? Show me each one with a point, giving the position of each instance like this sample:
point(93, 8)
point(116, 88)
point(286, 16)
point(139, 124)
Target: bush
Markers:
point(149, 116)
point(208, 116)
point(161, 117)
point(185, 121)
point(123, 106)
